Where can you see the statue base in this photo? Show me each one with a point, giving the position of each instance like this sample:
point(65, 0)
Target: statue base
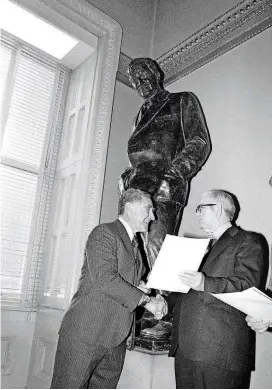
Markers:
point(151, 345)
point(151, 335)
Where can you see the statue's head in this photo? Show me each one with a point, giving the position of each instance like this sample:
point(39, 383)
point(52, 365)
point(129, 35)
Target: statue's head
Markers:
point(145, 76)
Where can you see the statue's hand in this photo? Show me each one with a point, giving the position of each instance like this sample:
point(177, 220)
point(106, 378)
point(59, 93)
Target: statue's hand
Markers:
point(173, 173)
point(176, 183)
point(163, 191)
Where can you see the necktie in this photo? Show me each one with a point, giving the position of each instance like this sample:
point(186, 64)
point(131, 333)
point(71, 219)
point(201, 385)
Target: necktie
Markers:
point(208, 251)
point(210, 245)
point(143, 109)
point(135, 246)
point(131, 339)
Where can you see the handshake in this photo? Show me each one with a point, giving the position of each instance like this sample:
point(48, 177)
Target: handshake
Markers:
point(156, 305)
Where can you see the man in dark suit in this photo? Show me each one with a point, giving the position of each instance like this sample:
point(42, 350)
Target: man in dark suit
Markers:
point(212, 344)
point(92, 337)
point(168, 146)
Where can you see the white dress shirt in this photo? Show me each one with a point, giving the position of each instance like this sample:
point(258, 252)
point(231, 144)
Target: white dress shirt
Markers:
point(127, 227)
point(218, 233)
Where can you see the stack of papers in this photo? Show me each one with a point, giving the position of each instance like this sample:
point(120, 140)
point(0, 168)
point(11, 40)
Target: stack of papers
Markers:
point(251, 301)
point(177, 254)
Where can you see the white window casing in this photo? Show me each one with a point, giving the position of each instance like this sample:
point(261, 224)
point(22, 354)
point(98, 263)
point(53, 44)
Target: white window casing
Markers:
point(34, 89)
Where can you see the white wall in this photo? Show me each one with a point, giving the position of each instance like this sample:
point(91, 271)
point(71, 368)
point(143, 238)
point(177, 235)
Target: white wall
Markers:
point(17, 329)
point(236, 94)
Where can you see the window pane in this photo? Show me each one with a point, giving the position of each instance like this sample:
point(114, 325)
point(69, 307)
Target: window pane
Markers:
point(17, 200)
point(7, 53)
point(28, 114)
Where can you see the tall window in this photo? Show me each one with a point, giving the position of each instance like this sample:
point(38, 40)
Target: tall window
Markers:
point(29, 87)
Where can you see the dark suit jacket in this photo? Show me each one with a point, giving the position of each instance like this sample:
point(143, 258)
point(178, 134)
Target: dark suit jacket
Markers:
point(207, 329)
point(101, 311)
point(169, 138)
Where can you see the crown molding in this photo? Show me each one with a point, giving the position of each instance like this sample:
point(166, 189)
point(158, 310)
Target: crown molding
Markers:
point(242, 22)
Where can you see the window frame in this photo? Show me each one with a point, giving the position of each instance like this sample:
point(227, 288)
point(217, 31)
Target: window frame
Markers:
point(35, 248)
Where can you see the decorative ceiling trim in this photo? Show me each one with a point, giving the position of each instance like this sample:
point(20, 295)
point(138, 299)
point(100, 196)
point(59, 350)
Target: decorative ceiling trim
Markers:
point(242, 22)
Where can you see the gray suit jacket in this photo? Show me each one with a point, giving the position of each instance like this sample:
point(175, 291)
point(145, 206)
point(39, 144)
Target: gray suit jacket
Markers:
point(207, 329)
point(101, 311)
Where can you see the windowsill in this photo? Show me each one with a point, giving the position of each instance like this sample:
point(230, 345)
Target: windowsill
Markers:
point(16, 306)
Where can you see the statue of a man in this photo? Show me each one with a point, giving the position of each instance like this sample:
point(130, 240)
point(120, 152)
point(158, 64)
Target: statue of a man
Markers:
point(168, 146)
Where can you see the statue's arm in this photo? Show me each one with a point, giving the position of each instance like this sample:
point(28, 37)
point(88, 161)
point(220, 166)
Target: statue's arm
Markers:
point(125, 177)
point(189, 159)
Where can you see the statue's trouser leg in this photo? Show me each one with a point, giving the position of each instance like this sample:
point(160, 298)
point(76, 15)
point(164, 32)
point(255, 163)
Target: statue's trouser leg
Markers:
point(168, 216)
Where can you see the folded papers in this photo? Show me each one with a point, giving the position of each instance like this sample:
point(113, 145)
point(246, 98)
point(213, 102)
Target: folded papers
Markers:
point(177, 254)
point(251, 301)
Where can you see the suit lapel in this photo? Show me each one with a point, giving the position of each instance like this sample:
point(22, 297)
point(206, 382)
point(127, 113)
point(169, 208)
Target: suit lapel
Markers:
point(150, 113)
point(220, 245)
point(128, 245)
point(123, 234)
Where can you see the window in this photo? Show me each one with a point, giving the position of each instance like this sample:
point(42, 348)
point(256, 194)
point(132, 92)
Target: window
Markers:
point(32, 88)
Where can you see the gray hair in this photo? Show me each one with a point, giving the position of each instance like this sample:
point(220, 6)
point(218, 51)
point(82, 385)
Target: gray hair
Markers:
point(130, 196)
point(225, 199)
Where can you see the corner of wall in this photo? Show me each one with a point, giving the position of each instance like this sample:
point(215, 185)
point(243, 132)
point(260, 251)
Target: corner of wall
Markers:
point(153, 29)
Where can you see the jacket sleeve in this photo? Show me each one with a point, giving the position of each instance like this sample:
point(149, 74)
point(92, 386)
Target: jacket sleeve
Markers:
point(249, 270)
point(101, 255)
point(189, 159)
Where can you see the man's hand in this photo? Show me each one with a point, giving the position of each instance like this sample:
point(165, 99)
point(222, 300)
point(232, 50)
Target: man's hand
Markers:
point(258, 324)
point(162, 307)
point(193, 279)
point(157, 306)
point(143, 288)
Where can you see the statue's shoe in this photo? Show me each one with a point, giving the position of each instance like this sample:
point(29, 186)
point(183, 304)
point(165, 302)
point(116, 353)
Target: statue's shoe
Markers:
point(161, 330)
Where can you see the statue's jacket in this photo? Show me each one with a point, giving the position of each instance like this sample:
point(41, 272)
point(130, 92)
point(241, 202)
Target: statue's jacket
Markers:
point(170, 141)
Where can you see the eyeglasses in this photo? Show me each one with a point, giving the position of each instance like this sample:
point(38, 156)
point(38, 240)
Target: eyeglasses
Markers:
point(200, 206)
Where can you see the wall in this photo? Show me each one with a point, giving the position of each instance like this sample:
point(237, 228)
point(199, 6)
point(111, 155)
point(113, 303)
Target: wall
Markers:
point(176, 20)
point(17, 328)
point(125, 107)
point(136, 18)
point(236, 92)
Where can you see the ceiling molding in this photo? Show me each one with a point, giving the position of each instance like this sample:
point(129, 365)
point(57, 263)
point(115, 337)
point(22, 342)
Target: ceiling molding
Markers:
point(242, 22)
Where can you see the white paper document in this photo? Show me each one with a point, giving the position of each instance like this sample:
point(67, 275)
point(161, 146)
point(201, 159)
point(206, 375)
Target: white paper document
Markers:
point(251, 301)
point(177, 254)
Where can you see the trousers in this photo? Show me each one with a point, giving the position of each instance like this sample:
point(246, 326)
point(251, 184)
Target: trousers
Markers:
point(196, 375)
point(79, 365)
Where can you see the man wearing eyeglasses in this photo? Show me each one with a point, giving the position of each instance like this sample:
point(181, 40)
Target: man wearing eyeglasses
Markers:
point(212, 344)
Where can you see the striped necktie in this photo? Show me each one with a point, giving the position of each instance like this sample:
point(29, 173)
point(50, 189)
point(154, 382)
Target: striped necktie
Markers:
point(136, 252)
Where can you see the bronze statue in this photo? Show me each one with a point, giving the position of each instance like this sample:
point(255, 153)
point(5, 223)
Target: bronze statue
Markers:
point(168, 146)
